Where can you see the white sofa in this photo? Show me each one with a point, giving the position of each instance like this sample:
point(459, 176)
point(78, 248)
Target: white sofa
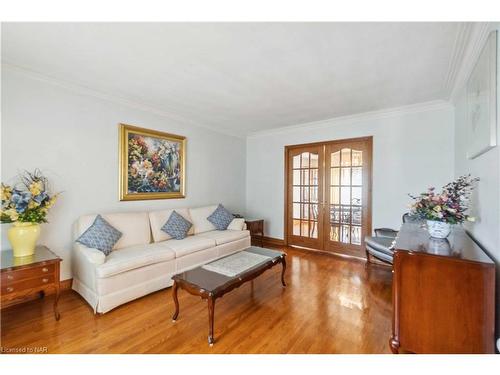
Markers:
point(145, 258)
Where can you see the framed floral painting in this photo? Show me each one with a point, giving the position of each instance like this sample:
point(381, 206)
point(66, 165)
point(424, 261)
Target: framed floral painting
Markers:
point(152, 164)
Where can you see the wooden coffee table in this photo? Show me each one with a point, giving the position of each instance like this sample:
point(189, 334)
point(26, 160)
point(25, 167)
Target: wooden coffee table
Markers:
point(211, 285)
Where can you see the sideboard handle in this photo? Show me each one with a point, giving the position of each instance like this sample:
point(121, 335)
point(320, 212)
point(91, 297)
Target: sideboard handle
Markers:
point(45, 280)
point(9, 289)
point(45, 269)
point(10, 277)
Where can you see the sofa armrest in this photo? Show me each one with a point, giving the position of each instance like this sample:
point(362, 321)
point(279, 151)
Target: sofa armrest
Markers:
point(94, 256)
point(84, 263)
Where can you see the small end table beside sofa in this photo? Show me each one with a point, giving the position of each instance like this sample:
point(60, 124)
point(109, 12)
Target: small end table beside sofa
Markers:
point(25, 276)
point(256, 228)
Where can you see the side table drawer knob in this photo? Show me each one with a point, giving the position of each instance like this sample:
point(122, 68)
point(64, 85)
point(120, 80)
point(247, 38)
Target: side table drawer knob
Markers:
point(10, 289)
point(45, 269)
point(10, 277)
point(45, 280)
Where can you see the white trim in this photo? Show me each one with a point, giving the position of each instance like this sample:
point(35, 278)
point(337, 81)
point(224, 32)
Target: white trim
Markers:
point(475, 41)
point(457, 55)
point(372, 115)
point(84, 90)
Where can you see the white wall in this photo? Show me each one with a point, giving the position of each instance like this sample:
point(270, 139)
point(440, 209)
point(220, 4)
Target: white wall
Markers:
point(412, 149)
point(73, 139)
point(486, 198)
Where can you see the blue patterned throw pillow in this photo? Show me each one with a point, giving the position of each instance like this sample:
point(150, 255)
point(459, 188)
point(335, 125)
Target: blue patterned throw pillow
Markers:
point(100, 235)
point(221, 218)
point(176, 226)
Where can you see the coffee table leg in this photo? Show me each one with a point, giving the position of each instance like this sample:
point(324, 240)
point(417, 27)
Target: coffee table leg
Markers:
point(211, 313)
point(176, 302)
point(283, 263)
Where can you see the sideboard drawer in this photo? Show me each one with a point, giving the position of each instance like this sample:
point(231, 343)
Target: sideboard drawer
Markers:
point(10, 277)
point(37, 282)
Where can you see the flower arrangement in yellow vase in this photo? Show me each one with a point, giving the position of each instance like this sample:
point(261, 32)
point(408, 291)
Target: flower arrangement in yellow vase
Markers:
point(26, 205)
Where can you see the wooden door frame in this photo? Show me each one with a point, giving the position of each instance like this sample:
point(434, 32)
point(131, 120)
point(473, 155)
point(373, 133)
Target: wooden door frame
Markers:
point(369, 141)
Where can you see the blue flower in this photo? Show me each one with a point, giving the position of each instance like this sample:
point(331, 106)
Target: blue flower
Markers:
point(41, 197)
point(20, 200)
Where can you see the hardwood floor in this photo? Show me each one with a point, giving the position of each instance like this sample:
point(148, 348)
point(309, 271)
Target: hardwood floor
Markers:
point(331, 305)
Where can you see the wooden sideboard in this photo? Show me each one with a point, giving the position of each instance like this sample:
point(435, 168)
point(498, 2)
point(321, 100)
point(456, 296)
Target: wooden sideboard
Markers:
point(443, 294)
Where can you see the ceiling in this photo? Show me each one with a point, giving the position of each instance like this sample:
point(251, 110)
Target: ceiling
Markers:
point(241, 78)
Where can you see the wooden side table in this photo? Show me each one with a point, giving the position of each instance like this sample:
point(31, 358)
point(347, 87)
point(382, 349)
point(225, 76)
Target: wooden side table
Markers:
point(256, 228)
point(24, 276)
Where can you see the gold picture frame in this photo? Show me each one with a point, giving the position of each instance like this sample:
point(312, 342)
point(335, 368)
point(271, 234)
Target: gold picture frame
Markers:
point(152, 164)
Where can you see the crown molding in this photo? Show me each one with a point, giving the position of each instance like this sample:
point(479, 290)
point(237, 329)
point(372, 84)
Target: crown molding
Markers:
point(87, 91)
point(371, 115)
point(469, 47)
point(457, 55)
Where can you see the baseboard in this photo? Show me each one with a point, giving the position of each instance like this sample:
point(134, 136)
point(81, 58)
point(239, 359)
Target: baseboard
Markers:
point(268, 241)
point(274, 241)
point(64, 285)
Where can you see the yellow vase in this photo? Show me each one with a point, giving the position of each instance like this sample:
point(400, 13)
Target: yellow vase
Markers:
point(23, 237)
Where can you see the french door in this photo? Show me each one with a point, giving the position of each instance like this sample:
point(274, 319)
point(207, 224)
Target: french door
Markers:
point(305, 194)
point(328, 195)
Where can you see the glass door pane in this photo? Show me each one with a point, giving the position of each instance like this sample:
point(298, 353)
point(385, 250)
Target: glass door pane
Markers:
point(305, 191)
point(345, 195)
point(305, 187)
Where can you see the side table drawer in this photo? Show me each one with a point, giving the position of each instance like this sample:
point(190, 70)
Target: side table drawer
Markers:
point(38, 282)
point(10, 277)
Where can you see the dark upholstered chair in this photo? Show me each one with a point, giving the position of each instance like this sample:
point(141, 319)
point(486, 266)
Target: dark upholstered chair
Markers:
point(381, 245)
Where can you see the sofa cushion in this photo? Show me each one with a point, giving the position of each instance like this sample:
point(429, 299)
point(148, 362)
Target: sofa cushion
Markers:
point(100, 235)
point(176, 226)
point(221, 217)
point(158, 219)
point(133, 225)
point(199, 219)
point(134, 257)
point(237, 224)
point(188, 245)
point(225, 236)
